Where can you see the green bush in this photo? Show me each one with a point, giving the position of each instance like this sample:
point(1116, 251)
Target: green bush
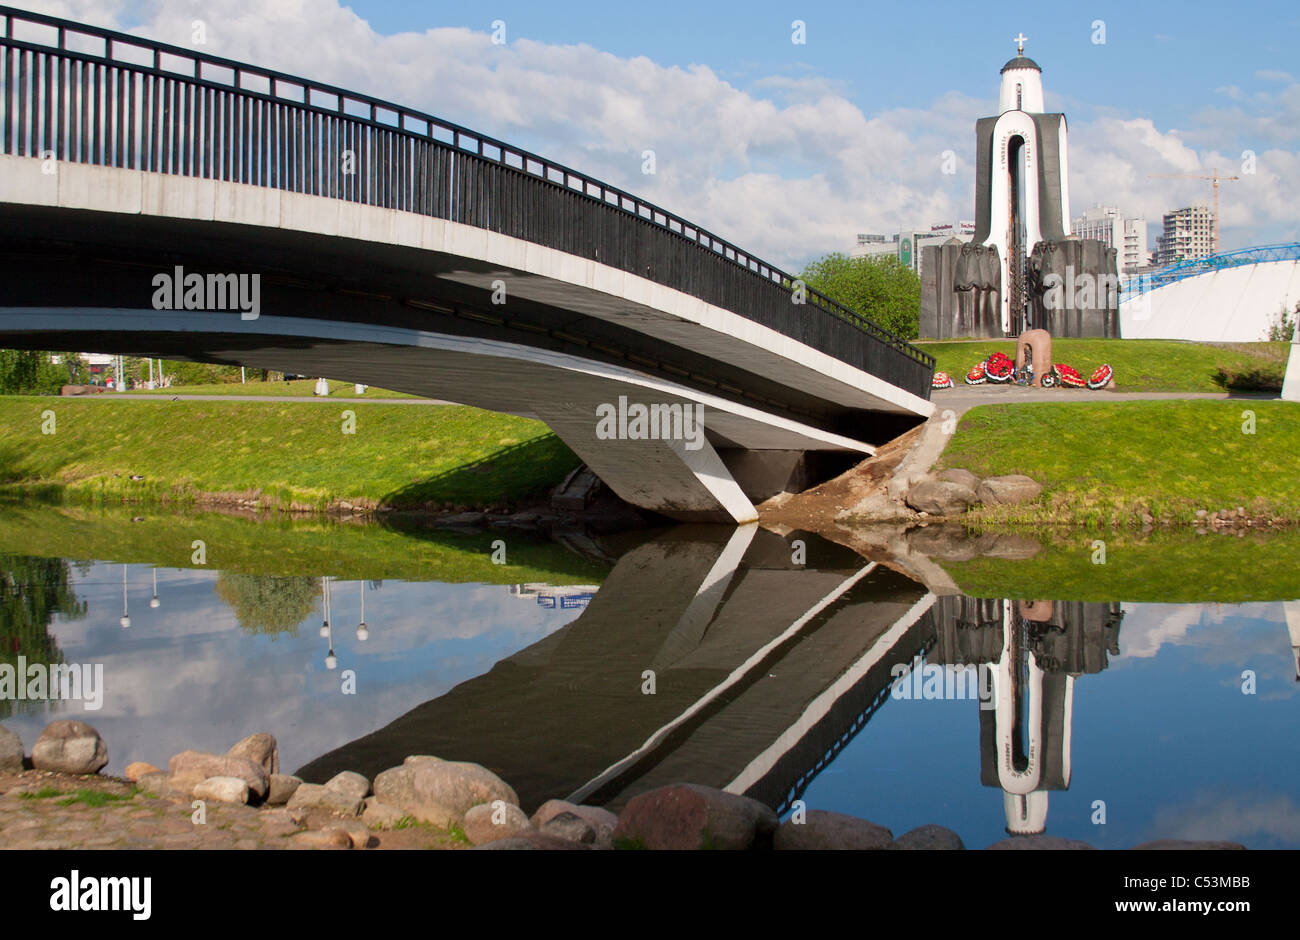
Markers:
point(30, 372)
point(879, 287)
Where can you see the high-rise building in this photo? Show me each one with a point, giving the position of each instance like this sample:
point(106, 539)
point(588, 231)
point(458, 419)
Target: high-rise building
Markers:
point(906, 246)
point(1188, 235)
point(1109, 225)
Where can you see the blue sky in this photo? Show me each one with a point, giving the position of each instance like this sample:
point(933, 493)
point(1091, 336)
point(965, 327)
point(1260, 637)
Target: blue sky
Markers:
point(791, 150)
point(1164, 61)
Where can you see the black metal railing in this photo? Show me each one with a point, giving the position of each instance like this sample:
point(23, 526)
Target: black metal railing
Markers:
point(89, 95)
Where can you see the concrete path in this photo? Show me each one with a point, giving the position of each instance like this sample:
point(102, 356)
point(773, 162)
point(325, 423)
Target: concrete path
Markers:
point(964, 397)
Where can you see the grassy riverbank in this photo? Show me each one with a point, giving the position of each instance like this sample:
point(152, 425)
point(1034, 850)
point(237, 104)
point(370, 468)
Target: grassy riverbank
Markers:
point(1141, 365)
point(285, 547)
point(284, 455)
point(1167, 567)
point(1113, 463)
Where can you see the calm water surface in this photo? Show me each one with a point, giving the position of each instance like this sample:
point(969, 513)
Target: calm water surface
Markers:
point(833, 682)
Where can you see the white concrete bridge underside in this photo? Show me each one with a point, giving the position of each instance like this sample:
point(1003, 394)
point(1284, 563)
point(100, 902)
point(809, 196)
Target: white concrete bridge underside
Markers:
point(562, 391)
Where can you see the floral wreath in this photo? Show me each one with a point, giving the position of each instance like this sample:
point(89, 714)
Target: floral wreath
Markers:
point(1000, 369)
point(1070, 376)
point(1101, 378)
point(941, 380)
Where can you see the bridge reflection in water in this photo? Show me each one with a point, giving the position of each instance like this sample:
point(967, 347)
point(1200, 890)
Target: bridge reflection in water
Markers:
point(763, 668)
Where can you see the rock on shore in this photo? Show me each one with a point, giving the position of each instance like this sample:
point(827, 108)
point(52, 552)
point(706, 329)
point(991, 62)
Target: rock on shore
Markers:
point(70, 747)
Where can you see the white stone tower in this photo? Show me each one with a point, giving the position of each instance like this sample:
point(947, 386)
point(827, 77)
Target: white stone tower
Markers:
point(1021, 182)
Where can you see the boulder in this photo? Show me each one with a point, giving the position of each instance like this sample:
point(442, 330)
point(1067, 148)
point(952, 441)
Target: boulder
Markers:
point(394, 787)
point(222, 790)
point(189, 768)
point(71, 747)
point(11, 750)
point(333, 838)
point(440, 792)
point(599, 818)
point(282, 789)
point(687, 816)
point(1008, 490)
point(157, 783)
point(940, 497)
point(570, 826)
point(261, 749)
point(964, 477)
point(531, 841)
point(379, 815)
point(929, 837)
point(350, 783)
point(1026, 843)
point(137, 769)
point(1181, 844)
point(315, 796)
point(824, 830)
point(487, 823)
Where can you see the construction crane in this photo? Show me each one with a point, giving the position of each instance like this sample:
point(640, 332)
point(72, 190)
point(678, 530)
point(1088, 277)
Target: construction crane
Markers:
point(1215, 177)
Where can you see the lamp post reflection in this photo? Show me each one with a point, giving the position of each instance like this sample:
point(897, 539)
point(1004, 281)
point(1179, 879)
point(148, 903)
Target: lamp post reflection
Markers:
point(326, 628)
point(125, 620)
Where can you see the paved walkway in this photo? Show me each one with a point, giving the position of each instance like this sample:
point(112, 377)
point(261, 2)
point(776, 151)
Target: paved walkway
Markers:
point(32, 816)
point(964, 396)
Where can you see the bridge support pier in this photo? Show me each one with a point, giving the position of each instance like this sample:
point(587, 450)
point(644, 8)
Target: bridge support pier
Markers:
point(664, 476)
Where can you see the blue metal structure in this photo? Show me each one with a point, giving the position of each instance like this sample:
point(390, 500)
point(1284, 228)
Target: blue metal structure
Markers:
point(1149, 281)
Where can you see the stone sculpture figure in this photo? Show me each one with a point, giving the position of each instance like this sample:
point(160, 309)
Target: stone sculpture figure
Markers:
point(990, 317)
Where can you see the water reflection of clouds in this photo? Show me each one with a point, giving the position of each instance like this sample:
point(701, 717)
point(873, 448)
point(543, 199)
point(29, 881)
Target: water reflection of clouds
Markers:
point(185, 675)
point(1217, 633)
point(1263, 820)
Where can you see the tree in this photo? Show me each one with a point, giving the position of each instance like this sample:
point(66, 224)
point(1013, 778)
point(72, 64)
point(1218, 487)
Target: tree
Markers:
point(30, 372)
point(879, 287)
point(32, 591)
point(266, 603)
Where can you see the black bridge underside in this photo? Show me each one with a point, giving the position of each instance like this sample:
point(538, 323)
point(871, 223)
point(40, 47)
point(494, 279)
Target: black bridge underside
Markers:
point(64, 258)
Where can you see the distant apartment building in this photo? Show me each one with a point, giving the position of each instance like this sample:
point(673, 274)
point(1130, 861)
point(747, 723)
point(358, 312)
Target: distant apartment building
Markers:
point(1109, 225)
point(1188, 235)
point(906, 246)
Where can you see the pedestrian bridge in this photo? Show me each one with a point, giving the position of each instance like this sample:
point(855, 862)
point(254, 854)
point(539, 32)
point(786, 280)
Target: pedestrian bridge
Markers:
point(324, 232)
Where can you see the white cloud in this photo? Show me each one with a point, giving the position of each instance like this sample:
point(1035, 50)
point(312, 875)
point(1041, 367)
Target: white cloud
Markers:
point(787, 167)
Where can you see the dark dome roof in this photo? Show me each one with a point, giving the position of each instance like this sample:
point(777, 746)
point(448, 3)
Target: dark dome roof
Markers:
point(1022, 62)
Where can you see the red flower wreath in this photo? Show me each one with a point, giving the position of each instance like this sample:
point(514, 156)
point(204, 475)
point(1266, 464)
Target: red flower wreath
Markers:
point(999, 368)
point(941, 380)
point(1070, 376)
point(976, 375)
point(1101, 378)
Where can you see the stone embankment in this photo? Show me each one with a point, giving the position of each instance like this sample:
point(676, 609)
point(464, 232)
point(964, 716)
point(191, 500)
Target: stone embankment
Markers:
point(242, 800)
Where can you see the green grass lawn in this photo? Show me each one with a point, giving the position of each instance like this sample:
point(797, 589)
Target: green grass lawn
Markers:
point(296, 388)
point(288, 454)
point(1108, 463)
point(288, 547)
point(1165, 567)
point(1141, 365)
